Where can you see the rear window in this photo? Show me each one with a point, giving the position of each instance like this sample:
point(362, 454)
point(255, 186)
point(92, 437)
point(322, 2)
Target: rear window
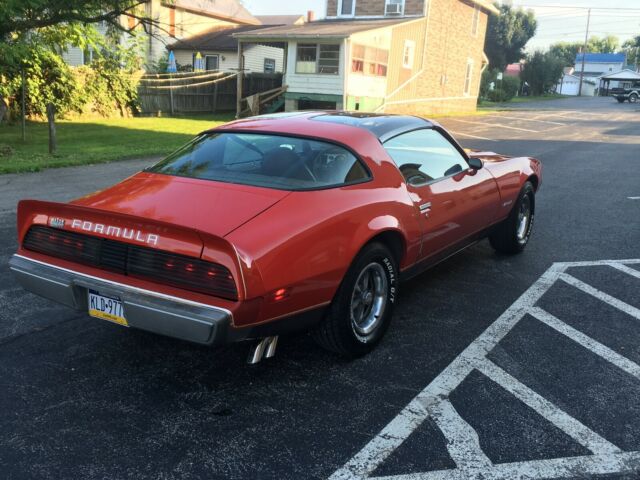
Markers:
point(271, 161)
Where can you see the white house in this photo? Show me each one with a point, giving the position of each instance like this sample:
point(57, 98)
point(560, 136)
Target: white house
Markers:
point(598, 64)
point(570, 85)
point(219, 49)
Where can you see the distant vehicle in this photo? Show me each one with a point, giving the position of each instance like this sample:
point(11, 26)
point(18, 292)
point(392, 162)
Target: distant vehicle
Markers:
point(277, 223)
point(632, 94)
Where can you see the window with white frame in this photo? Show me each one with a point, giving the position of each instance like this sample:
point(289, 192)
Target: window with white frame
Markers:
point(408, 53)
point(323, 58)
point(468, 77)
point(394, 7)
point(346, 8)
point(476, 21)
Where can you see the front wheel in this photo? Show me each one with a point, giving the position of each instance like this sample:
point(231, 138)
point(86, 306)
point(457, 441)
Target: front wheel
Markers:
point(513, 234)
point(633, 98)
point(361, 310)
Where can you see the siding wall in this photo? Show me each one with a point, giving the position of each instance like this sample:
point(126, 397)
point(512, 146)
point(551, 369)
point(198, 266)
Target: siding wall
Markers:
point(376, 7)
point(253, 56)
point(450, 43)
point(313, 83)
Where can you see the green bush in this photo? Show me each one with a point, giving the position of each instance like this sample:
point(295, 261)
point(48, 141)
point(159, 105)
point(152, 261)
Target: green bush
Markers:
point(106, 87)
point(510, 85)
point(498, 95)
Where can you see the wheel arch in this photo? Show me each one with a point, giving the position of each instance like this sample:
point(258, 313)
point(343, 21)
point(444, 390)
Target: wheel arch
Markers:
point(394, 240)
point(535, 181)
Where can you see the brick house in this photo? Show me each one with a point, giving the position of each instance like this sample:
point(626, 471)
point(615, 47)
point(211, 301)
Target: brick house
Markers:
point(395, 56)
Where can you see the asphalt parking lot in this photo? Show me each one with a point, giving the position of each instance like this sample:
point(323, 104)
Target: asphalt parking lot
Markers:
point(496, 367)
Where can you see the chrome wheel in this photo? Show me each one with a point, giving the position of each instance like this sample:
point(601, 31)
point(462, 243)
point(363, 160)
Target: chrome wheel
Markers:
point(524, 218)
point(369, 299)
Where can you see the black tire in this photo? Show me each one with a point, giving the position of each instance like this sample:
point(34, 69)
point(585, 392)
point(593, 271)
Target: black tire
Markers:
point(633, 98)
point(620, 100)
point(339, 331)
point(511, 236)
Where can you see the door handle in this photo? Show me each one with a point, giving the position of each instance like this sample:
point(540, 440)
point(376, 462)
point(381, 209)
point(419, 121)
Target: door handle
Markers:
point(425, 208)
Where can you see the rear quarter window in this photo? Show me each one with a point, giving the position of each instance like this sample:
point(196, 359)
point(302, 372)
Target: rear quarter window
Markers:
point(271, 161)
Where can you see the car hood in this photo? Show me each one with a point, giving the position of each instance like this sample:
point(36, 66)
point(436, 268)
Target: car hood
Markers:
point(213, 207)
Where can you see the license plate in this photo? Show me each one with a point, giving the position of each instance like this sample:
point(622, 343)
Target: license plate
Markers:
point(106, 308)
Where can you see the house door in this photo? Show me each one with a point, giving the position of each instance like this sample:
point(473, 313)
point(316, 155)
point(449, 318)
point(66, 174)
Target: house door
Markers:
point(212, 62)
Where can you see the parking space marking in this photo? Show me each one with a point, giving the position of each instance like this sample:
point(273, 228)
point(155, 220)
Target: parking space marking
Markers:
point(627, 270)
point(569, 425)
point(460, 134)
point(525, 119)
point(633, 198)
point(572, 467)
point(605, 297)
point(498, 125)
point(463, 443)
point(587, 342)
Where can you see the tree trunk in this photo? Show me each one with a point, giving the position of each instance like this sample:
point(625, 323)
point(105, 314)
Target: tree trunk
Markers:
point(3, 108)
point(51, 113)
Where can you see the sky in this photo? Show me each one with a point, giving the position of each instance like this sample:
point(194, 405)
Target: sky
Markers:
point(564, 22)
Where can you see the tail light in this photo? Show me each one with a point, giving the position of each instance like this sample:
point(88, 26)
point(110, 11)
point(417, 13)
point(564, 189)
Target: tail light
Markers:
point(176, 270)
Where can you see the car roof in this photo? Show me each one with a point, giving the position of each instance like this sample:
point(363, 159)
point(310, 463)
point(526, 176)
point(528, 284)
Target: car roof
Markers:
point(382, 126)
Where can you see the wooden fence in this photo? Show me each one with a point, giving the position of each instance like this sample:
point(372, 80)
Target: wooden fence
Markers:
point(199, 92)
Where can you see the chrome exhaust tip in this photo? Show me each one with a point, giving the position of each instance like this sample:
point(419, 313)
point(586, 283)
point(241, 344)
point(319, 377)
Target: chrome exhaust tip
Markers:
point(265, 348)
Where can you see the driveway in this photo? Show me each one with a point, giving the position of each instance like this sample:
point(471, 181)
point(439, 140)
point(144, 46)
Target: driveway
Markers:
point(495, 367)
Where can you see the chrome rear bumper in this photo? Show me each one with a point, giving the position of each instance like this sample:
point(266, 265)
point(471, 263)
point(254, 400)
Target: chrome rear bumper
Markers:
point(143, 309)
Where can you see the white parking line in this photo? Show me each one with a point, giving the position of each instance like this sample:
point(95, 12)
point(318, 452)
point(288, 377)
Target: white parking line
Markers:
point(633, 198)
point(498, 125)
point(463, 443)
point(627, 270)
point(569, 425)
point(596, 347)
point(471, 136)
point(526, 119)
point(572, 467)
point(614, 302)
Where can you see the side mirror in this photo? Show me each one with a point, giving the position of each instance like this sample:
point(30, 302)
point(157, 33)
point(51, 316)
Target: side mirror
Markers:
point(475, 163)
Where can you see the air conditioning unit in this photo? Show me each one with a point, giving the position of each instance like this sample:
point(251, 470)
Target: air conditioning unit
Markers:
point(393, 9)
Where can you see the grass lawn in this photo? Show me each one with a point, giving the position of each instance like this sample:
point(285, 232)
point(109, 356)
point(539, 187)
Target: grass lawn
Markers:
point(82, 142)
point(493, 105)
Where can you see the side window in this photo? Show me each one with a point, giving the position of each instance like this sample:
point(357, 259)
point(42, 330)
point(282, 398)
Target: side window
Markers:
point(424, 156)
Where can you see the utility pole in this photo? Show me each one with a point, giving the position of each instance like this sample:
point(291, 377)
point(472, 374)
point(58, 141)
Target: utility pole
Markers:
point(584, 52)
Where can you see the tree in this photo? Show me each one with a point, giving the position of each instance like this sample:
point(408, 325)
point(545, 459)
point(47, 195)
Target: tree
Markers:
point(568, 51)
point(508, 34)
point(608, 44)
point(632, 49)
point(542, 71)
point(19, 17)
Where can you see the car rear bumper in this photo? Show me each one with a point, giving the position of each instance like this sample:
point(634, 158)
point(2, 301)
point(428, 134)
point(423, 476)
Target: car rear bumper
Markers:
point(143, 309)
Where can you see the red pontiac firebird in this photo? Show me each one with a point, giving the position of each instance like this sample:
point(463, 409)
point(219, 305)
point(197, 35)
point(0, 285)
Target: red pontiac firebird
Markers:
point(262, 226)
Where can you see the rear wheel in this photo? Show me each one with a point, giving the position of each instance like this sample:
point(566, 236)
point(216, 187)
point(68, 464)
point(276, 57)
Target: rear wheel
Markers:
point(512, 235)
point(361, 310)
point(633, 98)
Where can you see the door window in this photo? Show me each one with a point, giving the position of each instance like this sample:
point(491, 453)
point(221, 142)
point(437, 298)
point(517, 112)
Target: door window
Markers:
point(212, 62)
point(425, 156)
